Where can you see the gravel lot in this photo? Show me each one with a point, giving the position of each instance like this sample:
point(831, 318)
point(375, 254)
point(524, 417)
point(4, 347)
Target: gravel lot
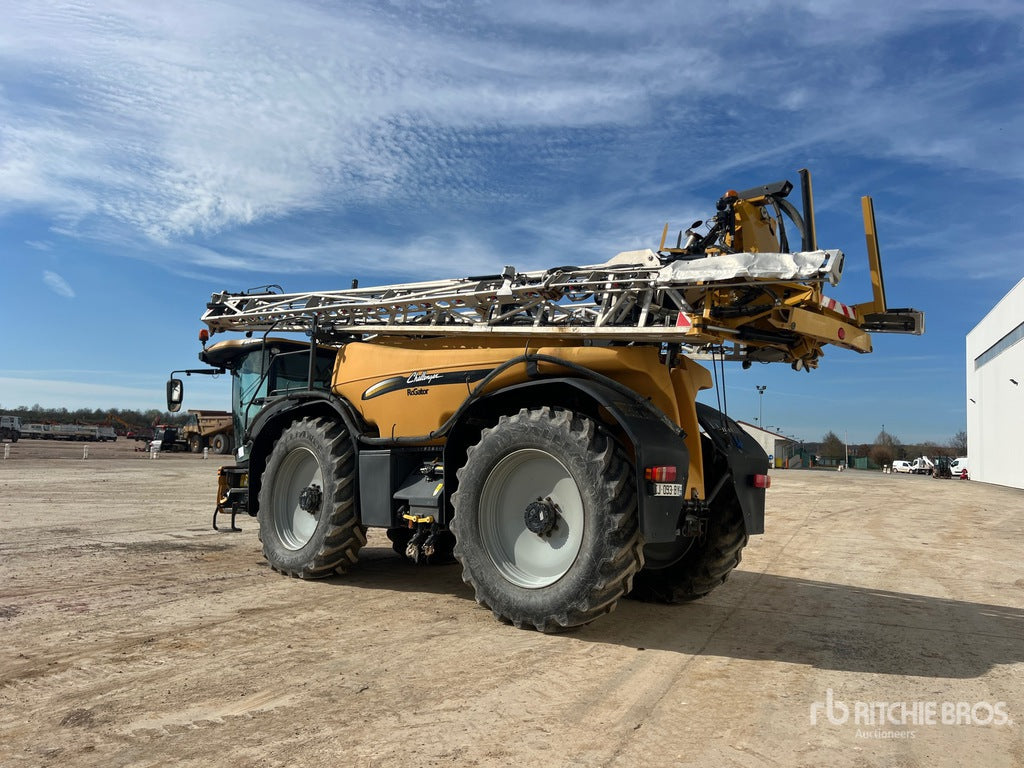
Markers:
point(135, 635)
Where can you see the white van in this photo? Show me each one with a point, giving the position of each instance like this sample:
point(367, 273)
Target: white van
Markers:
point(958, 466)
point(901, 466)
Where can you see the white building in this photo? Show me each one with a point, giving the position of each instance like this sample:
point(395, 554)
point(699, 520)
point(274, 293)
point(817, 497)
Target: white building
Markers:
point(778, 447)
point(995, 393)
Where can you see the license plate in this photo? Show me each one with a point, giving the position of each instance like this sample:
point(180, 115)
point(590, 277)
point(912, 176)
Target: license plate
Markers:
point(668, 489)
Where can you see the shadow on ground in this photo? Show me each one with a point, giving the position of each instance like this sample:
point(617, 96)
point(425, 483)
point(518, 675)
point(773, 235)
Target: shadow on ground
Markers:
point(827, 626)
point(779, 618)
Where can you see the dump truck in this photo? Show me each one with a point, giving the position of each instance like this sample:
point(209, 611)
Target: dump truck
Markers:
point(208, 429)
point(213, 430)
point(540, 427)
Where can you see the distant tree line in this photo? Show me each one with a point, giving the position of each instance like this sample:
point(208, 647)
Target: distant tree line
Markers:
point(886, 448)
point(121, 419)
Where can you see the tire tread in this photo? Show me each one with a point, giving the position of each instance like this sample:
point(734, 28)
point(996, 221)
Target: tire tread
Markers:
point(344, 535)
point(621, 548)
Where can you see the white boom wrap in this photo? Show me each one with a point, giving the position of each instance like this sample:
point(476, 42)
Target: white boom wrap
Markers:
point(633, 297)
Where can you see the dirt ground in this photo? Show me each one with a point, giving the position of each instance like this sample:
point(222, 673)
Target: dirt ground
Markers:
point(880, 621)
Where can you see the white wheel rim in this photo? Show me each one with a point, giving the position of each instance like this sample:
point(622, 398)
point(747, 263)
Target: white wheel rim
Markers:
point(523, 557)
point(295, 526)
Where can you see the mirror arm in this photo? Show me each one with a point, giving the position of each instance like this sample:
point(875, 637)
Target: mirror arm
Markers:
point(205, 371)
point(176, 390)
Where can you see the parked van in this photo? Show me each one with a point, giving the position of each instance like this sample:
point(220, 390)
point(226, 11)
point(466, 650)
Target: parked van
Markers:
point(958, 467)
point(901, 466)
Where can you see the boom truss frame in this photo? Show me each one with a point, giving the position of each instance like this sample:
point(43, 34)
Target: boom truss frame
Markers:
point(767, 307)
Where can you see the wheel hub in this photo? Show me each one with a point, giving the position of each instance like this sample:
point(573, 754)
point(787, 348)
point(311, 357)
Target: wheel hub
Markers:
point(511, 534)
point(541, 516)
point(310, 498)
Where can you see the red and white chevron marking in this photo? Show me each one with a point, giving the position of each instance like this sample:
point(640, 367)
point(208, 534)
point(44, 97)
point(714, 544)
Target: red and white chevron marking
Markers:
point(838, 307)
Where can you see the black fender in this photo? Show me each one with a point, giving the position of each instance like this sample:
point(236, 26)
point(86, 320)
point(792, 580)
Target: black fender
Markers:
point(653, 438)
point(278, 413)
point(743, 457)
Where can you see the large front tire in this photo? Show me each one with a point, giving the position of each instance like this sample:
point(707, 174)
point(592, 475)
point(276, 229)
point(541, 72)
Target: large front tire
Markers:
point(307, 513)
point(545, 520)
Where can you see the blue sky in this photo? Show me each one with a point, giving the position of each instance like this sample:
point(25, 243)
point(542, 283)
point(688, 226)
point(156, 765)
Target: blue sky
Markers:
point(151, 154)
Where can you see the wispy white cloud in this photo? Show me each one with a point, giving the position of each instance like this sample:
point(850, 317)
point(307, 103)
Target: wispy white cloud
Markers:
point(177, 127)
point(174, 125)
point(58, 284)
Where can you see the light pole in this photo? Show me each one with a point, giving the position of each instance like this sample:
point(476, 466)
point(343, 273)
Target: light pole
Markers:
point(760, 404)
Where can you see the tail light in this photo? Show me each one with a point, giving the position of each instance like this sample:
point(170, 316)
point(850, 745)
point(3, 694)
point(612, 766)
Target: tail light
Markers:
point(660, 474)
point(761, 481)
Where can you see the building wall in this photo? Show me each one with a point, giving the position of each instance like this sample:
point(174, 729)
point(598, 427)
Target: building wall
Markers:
point(995, 405)
point(774, 445)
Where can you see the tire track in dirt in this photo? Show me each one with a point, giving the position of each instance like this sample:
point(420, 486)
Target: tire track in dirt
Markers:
point(210, 714)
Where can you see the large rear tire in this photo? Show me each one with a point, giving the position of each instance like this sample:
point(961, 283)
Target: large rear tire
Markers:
point(307, 513)
point(546, 520)
point(219, 443)
point(701, 564)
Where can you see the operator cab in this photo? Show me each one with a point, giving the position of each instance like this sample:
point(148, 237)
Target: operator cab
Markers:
point(260, 369)
point(265, 368)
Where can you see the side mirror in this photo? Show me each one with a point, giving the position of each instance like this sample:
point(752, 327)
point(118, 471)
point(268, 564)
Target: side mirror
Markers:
point(175, 394)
